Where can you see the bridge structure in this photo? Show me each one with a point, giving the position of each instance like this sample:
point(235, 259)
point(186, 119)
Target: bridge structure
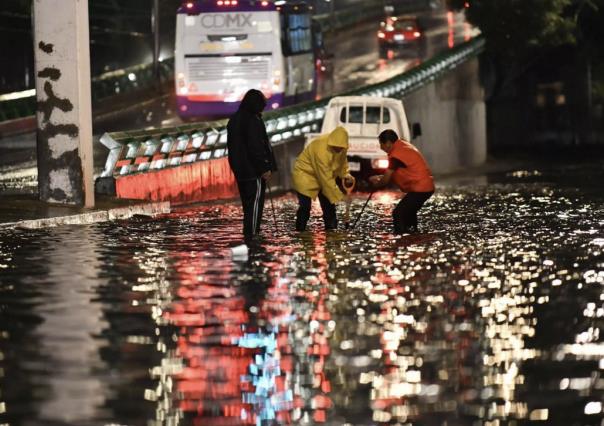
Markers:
point(187, 163)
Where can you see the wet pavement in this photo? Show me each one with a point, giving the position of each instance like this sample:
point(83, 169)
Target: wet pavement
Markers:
point(491, 316)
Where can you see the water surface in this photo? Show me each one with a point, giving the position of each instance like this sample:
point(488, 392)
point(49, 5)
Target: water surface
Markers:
point(490, 316)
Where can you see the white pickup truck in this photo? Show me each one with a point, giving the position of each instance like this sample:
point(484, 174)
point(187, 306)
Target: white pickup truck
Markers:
point(364, 117)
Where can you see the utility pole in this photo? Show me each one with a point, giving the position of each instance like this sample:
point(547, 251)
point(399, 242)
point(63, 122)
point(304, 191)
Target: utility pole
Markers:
point(155, 29)
point(62, 71)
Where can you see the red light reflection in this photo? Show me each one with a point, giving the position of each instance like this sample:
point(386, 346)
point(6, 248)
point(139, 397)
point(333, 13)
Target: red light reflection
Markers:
point(451, 29)
point(237, 363)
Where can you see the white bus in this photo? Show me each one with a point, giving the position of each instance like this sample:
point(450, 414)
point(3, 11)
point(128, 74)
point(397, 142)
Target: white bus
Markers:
point(226, 47)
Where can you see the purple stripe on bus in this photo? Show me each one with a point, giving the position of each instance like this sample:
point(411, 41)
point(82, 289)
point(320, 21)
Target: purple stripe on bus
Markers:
point(213, 7)
point(215, 109)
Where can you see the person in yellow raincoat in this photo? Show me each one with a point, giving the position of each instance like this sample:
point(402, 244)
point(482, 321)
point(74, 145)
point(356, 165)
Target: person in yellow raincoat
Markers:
point(315, 173)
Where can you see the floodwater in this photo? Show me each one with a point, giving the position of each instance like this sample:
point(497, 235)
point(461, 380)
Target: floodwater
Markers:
point(490, 317)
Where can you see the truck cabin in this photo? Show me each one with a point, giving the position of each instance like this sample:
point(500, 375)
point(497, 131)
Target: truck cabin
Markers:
point(366, 118)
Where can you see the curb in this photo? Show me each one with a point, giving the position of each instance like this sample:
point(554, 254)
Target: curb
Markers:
point(148, 209)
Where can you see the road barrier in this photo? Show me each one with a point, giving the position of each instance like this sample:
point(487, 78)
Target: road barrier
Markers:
point(135, 156)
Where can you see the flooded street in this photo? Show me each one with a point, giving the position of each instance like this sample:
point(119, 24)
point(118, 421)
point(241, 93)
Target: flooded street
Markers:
point(491, 316)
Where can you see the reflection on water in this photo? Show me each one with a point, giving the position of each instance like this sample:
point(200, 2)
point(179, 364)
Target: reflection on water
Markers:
point(490, 317)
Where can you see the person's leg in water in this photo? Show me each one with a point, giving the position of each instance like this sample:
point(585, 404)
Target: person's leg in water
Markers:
point(303, 213)
point(404, 216)
point(329, 212)
point(251, 193)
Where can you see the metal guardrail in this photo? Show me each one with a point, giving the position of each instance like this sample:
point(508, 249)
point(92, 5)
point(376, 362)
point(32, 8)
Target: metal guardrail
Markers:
point(140, 151)
point(142, 76)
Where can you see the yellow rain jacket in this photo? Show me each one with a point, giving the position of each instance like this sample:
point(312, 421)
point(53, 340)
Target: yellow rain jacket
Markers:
point(317, 167)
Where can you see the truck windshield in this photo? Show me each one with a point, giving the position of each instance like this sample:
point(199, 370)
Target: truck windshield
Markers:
point(372, 115)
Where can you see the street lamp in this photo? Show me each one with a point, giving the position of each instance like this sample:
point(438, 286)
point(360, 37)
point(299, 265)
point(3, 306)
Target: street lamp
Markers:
point(155, 30)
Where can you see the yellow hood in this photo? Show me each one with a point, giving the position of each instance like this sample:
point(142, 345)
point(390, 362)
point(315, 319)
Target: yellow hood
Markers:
point(338, 138)
point(317, 167)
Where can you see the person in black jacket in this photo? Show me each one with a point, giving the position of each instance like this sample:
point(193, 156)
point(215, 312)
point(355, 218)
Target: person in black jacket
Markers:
point(251, 158)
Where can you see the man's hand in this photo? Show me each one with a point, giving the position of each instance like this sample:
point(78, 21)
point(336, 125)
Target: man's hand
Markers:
point(266, 175)
point(375, 180)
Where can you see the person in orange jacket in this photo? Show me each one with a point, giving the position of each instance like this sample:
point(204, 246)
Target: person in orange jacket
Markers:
point(409, 171)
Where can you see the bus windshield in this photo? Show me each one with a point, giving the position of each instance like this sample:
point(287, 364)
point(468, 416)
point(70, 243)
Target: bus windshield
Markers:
point(227, 53)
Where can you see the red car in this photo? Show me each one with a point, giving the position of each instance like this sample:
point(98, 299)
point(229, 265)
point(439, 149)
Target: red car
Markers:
point(399, 32)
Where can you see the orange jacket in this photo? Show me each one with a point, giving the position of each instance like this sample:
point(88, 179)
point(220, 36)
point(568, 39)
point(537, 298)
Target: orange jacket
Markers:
point(416, 176)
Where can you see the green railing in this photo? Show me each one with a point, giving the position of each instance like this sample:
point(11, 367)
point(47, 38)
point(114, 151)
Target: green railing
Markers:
point(104, 86)
point(144, 150)
point(130, 79)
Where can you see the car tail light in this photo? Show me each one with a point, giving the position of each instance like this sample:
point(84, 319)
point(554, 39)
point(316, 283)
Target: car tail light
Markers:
point(189, 5)
point(381, 34)
point(417, 34)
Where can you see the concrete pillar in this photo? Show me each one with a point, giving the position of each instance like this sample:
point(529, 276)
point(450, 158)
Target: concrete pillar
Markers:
point(62, 54)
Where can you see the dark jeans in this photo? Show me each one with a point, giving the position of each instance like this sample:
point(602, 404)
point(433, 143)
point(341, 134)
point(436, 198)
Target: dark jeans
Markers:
point(252, 200)
point(303, 213)
point(404, 216)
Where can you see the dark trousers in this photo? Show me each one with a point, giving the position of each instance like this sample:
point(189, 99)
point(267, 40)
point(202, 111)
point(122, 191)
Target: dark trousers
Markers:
point(252, 200)
point(303, 213)
point(404, 216)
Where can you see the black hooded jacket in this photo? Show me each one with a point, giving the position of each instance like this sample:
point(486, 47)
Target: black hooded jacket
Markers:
point(250, 152)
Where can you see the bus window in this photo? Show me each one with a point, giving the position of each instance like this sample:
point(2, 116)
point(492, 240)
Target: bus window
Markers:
point(297, 31)
point(319, 40)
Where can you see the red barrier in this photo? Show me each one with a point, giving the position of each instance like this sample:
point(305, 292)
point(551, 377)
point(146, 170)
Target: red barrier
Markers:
point(187, 183)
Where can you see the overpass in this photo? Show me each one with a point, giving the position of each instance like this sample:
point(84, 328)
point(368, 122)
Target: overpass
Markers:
point(187, 163)
point(20, 107)
point(442, 93)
